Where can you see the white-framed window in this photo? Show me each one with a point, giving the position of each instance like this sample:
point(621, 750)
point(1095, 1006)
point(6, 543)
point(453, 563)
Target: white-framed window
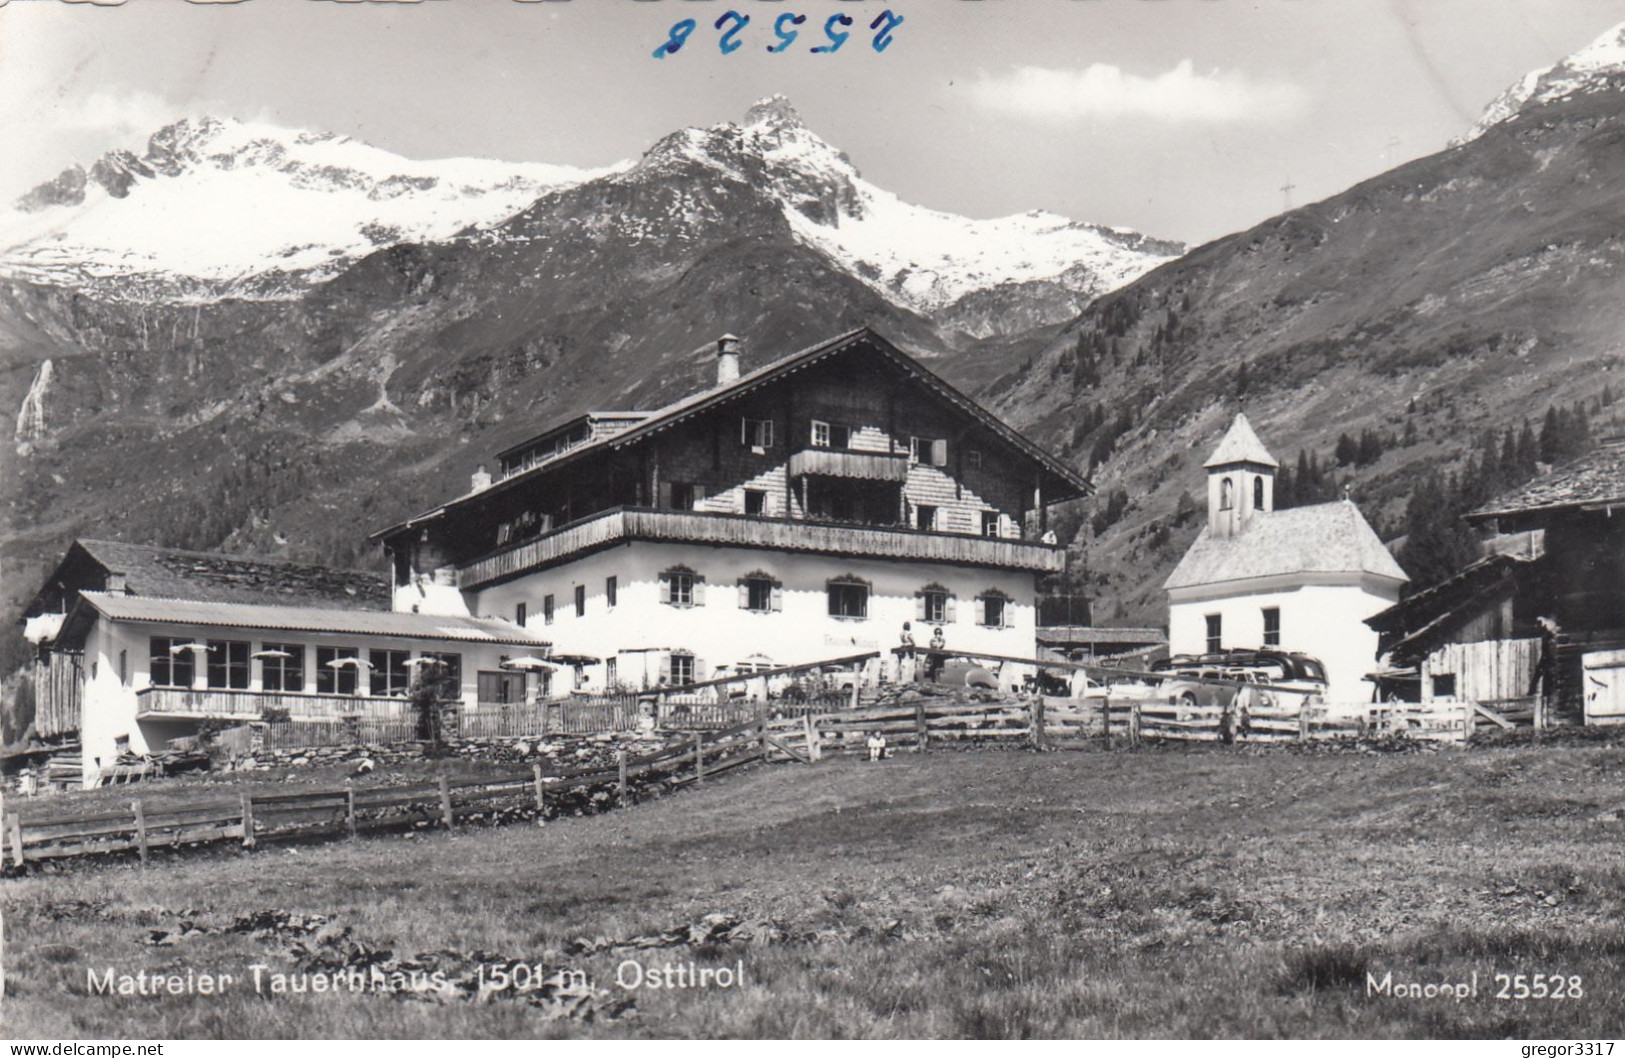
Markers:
point(1215, 632)
point(756, 501)
point(1272, 626)
point(389, 673)
point(756, 434)
point(683, 669)
point(681, 586)
point(760, 592)
point(934, 605)
point(848, 598)
point(820, 434)
point(337, 679)
point(990, 523)
point(228, 664)
point(993, 609)
point(172, 662)
point(830, 435)
point(279, 673)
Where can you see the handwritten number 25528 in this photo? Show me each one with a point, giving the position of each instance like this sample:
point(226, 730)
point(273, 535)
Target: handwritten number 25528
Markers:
point(783, 29)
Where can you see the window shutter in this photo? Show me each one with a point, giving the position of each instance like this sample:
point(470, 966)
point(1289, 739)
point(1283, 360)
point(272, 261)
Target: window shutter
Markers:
point(744, 595)
point(767, 434)
point(665, 667)
point(699, 590)
point(664, 500)
point(744, 431)
point(699, 496)
point(700, 675)
point(665, 587)
point(981, 610)
point(919, 606)
point(948, 611)
point(778, 597)
point(939, 452)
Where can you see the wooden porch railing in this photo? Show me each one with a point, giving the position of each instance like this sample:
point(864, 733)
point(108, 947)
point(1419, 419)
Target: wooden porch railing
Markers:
point(187, 703)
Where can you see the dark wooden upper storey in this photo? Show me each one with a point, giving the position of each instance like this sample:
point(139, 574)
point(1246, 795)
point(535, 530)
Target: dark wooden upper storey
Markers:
point(849, 433)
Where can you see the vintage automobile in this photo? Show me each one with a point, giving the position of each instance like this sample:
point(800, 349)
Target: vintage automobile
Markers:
point(1274, 668)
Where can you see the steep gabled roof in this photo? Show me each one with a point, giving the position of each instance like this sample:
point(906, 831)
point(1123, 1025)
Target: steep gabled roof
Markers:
point(1595, 480)
point(1413, 625)
point(389, 624)
point(1068, 482)
point(1240, 445)
point(1325, 538)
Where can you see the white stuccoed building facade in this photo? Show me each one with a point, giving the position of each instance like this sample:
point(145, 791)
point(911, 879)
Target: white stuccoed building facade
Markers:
point(1301, 580)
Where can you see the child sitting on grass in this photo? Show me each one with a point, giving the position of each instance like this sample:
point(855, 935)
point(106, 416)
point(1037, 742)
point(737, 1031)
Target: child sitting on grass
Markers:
point(877, 746)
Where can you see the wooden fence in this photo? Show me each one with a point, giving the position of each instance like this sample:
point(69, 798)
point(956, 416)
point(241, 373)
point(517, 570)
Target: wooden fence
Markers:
point(33, 833)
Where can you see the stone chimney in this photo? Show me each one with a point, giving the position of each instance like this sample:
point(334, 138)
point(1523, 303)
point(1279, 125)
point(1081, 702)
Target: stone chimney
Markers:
point(480, 480)
point(727, 360)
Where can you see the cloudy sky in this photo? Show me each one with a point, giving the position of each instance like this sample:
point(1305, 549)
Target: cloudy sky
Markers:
point(1181, 118)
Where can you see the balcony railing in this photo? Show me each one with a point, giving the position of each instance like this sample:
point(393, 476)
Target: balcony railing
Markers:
point(181, 703)
point(623, 524)
point(834, 463)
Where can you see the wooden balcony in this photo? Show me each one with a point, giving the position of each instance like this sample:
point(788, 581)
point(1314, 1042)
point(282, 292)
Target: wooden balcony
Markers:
point(623, 524)
point(840, 463)
point(178, 703)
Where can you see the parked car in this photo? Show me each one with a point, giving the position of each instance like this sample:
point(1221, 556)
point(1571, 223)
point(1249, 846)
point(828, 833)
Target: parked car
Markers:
point(1276, 668)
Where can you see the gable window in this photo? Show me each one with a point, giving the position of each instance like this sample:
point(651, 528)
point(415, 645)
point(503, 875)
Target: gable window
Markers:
point(993, 609)
point(973, 458)
point(681, 586)
point(519, 614)
point(172, 662)
point(848, 597)
point(925, 517)
point(228, 664)
point(934, 605)
point(390, 672)
point(756, 501)
point(990, 523)
point(820, 434)
point(830, 435)
point(1215, 633)
point(282, 673)
point(581, 600)
point(756, 434)
point(928, 450)
point(611, 591)
point(1272, 626)
point(1227, 498)
point(336, 679)
point(759, 592)
point(547, 609)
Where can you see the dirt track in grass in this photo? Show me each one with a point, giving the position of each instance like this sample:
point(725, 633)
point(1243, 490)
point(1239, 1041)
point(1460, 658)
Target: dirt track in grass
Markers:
point(1180, 892)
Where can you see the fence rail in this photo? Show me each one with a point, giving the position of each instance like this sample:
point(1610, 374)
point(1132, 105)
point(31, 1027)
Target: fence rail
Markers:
point(30, 835)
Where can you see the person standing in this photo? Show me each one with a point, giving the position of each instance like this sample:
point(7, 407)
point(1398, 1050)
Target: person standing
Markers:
point(933, 665)
point(905, 655)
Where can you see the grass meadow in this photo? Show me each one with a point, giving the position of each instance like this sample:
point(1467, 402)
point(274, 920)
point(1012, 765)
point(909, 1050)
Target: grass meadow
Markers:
point(1182, 892)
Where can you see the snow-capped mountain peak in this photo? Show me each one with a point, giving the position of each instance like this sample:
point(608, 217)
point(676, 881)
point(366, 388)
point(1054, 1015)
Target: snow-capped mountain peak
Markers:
point(1590, 69)
point(216, 206)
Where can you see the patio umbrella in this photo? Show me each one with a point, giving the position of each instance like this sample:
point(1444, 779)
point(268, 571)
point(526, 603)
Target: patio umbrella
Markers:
point(268, 654)
point(178, 647)
point(415, 662)
point(339, 663)
point(529, 664)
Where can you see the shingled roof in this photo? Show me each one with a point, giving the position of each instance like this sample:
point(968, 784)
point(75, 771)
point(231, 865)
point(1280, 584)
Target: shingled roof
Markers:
point(1325, 538)
point(208, 576)
point(1594, 481)
point(1240, 445)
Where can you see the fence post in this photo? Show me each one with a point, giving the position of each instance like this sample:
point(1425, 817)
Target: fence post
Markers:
point(815, 751)
point(1134, 723)
point(248, 821)
point(857, 682)
point(699, 759)
point(140, 831)
point(349, 806)
point(761, 737)
point(541, 802)
point(922, 732)
point(1303, 718)
point(17, 856)
point(1036, 717)
point(620, 783)
point(1106, 717)
point(445, 804)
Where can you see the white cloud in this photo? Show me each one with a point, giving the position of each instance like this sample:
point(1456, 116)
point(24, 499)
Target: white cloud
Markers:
point(1104, 91)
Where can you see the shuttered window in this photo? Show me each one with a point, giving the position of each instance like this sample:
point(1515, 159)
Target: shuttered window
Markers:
point(848, 597)
point(681, 586)
point(993, 609)
point(934, 604)
point(761, 593)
